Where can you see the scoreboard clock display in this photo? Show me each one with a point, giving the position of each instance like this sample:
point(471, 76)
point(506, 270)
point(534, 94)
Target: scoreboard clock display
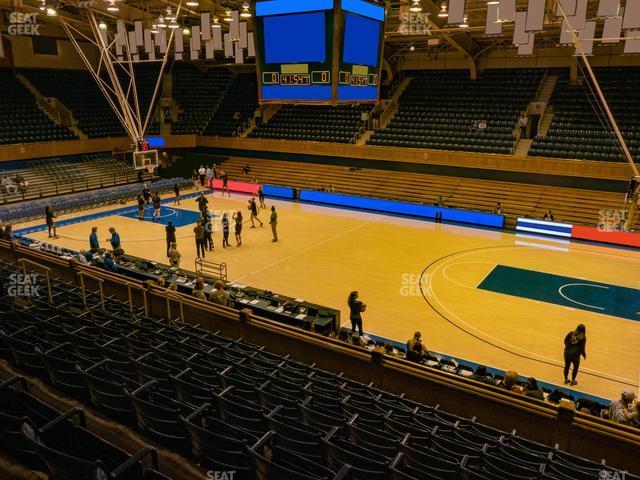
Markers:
point(318, 51)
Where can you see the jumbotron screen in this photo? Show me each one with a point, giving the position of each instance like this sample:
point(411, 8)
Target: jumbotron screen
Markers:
point(318, 51)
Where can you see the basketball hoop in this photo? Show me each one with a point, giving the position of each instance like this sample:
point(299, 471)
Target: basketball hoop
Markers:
point(150, 168)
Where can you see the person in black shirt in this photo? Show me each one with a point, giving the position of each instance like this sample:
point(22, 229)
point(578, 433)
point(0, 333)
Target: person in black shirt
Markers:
point(225, 183)
point(176, 191)
point(355, 315)
point(225, 230)
point(253, 207)
point(238, 218)
point(261, 197)
point(51, 225)
point(146, 193)
point(170, 236)
point(574, 347)
point(156, 206)
point(140, 207)
point(208, 230)
point(202, 203)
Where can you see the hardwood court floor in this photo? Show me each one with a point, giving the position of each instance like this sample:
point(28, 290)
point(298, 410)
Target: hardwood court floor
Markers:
point(324, 253)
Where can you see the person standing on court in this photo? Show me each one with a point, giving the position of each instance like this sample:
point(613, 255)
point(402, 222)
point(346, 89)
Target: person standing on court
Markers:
point(225, 183)
point(194, 178)
point(116, 245)
point(208, 230)
point(201, 174)
point(253, 208)
point(238, 219)
point(209, 175)
point(51, 224)
point(176, 192)
point(261, 197)
point(202, 203)
point(356, 308)
point(574, 347)
point(156, 206)
point(170, 235)
point(140, 207)
point(273, 221)
point(199, 233)
point(94, 243)
point(225, 230)
point(146, 194)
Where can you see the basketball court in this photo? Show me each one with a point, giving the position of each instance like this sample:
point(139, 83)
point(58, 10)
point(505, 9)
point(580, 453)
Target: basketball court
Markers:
point(489, 297)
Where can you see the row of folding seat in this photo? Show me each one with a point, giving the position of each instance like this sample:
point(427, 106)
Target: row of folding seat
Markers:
point(237, 407)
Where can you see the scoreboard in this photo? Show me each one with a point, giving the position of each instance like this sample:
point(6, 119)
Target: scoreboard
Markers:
point(318, 51)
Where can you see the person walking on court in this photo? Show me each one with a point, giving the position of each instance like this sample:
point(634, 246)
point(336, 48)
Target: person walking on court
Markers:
point(574, 347)
point(141, 207)
point(253, 208)
point(194, 179)
point(170, 236)
point(273, 221)
point(238, 219)
point(176, 192)
point(261, 197)
point(356, 308)
point(156, 206)
point(94, 243)
point(225, 230)
point(199, 233)
point(202, 203)
point(146, 194)
point(209, 175)
point(225, 183)
point(51, 224)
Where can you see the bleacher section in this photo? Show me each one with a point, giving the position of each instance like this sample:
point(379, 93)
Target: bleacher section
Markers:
point(77, 202)
point(198, 94)
point(21, 120)
point(580, 207)
point(580, 128)
point(242, 97)
point(54, 176)
point(233, 406)
point(439, 108)
point(340, 124)
point(78, 91)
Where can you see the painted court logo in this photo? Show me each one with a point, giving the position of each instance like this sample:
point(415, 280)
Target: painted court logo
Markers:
point(23, 24)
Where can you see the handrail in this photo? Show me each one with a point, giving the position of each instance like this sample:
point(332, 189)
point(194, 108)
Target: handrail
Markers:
point(23, 262)
point(130, 288)
point(100, 281)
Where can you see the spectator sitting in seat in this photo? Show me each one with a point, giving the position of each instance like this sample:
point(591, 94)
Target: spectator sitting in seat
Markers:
point(357, 340)
point(621, 411)
point(509, 382)
point(548, 217)
point(109, 264)
point(390, 350)
point(481, 375)
point(415, 348)
point(498, 210)
point(198, 289)
point(531, 389)
point(219, 296)
point(482, 124)
point(343, 334)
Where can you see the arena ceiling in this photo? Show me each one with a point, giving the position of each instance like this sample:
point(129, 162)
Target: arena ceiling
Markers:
point(438, 37)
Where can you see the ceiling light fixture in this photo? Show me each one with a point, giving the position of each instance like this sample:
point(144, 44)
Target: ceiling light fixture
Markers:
point(102, 25)
point(192, 3)
point(112, 6)
point(415, 8)
point(465, 23)
point(173, 24)
point(216, 23)
point(186, 31)
point(51, 12)
point(227, 16)
point(412, 48)
point(245, 11)
point(161, 22)
point(443, 11)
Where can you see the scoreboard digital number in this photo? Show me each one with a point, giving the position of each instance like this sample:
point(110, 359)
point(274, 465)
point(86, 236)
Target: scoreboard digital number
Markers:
point(318, 51)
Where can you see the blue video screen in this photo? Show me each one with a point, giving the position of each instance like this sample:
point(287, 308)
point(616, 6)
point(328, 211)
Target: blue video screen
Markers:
point(361, 41)
point(296, 38)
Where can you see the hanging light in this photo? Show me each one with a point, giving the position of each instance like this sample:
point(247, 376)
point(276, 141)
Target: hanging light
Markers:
point(112, 6)
point(161, 22)
point(186, 31)
point(51, 12)
point(216, 23)
point(245, 11)
point(493, 2)
point(173, 24)
point(169, 15)
point(465, 23)
point(192, 3)
point(443, 11)
point(102, 25)
point(416, 8)
point(227, 16)
point(43, 7)
point(154, 28)
point(412, 48)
